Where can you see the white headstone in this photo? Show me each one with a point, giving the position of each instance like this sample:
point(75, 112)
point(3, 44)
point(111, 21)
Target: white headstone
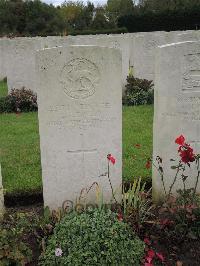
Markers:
point(1, 196)
point(1, 61)
point(187, 36)
point(80, 120)
point(21, 58)
point(177, 109)
point(144, 52)
point(3, 57)
point(121, 42)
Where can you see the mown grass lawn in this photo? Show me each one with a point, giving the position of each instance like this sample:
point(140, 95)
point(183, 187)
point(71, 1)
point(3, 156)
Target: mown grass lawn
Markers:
point(137, 141)
point(20, 152)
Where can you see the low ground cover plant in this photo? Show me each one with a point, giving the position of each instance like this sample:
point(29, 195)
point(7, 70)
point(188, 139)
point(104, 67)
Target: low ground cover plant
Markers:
point(13, 248)
point(95, 237)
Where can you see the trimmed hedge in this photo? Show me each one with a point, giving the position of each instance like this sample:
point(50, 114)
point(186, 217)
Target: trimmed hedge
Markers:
point(169, 20)
point(19, 100)
point(94, 32)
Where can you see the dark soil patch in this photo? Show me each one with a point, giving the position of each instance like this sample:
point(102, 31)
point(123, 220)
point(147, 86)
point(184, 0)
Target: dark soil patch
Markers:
point(23, 199)
point(186, 251)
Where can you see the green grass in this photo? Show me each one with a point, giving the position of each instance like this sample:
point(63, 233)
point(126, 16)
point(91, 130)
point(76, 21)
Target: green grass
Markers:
point(137, 129)
point(20, 153)
point(3, 89)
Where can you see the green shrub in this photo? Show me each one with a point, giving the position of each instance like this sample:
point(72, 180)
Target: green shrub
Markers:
point(95, 237)
point(102, 31)
point(19, 100)
point(5, 105)
point(138, 92)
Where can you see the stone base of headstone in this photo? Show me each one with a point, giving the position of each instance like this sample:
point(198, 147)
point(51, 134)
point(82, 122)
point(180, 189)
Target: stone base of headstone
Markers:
point(2, 209)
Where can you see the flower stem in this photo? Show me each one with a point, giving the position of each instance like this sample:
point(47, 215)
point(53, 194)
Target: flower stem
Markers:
point(162, 178)
point(175, 178)
point(111, 183)
point(197, 180)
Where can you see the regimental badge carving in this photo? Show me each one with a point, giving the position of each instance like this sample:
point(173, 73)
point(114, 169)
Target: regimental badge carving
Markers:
point(80, 78)
point(191, 73)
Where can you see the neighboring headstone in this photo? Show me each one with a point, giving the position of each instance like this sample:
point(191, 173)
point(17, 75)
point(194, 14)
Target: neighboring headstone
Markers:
point(121, 42)
point(1, 196)
point(21, 58)
point(80, 121)
point(144, 51)
point(176, 109)
point(187, 36)
point(1, 61)
point(3, 57)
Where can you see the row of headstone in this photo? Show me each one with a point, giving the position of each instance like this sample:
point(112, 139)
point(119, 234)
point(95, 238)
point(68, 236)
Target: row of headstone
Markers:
point(80, 116)
point(17, 56)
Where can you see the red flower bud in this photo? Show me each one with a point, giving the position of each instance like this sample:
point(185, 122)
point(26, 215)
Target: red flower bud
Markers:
point(111, 158)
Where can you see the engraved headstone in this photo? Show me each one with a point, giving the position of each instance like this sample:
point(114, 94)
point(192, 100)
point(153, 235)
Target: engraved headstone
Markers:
point(177, 109)
point(80, 121)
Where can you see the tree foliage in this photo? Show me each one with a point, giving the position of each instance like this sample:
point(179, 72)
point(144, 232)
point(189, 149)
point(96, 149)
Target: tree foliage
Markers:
point(33, 17)
point(18, 17)
point(162, 15)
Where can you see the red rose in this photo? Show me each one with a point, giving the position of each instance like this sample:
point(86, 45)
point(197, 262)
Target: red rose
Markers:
point(186, 153)
point(180, 140)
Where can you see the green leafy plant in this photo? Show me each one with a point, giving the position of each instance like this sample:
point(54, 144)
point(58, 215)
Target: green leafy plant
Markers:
point(95, 237)
point(137, 204)
point(5, 105)
point(138, 91)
